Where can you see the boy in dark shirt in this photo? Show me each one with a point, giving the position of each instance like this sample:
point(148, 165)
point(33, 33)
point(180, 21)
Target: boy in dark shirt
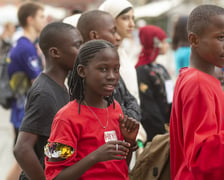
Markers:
point(59, 43)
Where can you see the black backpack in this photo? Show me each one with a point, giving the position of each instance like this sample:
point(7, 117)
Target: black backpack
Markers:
point(6, 94)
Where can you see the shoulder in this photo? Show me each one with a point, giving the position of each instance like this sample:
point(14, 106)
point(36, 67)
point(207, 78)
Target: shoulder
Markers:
point(41, 85)
point(144, 68)
point(47, 90)
point(23, 43)
point(192, 81)
point(116, 108)
point(69, 111)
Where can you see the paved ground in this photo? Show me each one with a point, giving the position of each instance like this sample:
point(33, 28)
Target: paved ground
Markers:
point(6, 143)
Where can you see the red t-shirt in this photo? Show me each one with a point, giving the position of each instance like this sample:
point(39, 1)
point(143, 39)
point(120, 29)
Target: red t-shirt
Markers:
point(84, 133)
point(196, 127)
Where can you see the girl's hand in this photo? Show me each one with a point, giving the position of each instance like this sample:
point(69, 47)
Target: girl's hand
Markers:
point(129, 129)
point(112, 150)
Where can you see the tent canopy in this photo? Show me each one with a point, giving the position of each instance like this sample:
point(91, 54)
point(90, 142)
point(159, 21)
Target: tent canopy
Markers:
point(9, 12)
point(155, 9)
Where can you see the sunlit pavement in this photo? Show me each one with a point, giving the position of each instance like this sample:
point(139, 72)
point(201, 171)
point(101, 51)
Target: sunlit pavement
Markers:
point(6, 143)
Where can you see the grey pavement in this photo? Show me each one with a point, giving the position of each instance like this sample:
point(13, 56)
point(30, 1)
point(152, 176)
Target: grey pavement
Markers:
point(6, 143)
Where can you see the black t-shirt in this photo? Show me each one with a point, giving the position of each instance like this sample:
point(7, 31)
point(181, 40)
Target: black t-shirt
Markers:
point(44, 99)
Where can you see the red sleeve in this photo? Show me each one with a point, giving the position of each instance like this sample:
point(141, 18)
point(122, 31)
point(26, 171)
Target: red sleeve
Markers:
point(64, 133)
point(202, 135)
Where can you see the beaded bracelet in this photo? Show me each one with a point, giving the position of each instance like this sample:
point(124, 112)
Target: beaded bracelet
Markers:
point(134, 147)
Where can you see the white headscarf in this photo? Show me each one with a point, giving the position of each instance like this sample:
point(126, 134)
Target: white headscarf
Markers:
point(114, 7)
point(72, 20)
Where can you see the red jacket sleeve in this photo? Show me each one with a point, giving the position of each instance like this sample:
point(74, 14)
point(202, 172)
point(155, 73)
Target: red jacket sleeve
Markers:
point(202, 131)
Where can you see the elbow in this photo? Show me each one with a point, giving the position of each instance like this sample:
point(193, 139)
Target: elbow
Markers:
point(16, 151)
point(19, 151)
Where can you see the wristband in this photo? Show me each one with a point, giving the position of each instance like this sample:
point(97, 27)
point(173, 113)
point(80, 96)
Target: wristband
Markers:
point(134, 147)
point(140, 144)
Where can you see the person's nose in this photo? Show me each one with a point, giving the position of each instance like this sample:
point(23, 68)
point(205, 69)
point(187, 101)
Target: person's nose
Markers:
point(131, 23)
point(111, 75)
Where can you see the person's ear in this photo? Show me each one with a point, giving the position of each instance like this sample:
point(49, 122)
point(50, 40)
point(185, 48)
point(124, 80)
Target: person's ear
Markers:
point(54, 52)
point(93, 35)
point(81, 71)
point(29, 20)
point(193, 39)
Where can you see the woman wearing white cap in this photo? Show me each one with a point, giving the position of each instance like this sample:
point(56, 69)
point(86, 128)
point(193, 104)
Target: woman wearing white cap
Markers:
point(123, 13)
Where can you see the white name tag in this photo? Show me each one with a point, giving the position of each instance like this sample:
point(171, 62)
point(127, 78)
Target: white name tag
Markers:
point(169, 90)
point(110, 136)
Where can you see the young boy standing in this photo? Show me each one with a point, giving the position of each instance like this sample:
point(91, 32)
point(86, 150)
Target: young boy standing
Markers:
point(59, 43)
point(196, 125)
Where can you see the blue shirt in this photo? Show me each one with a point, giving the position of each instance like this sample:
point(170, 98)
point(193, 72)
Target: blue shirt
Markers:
point(182, 57)
point(23, 58)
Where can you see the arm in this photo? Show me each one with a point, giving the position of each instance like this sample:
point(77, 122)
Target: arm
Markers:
point(105, 152)
point(203, 136)
point(26, 156)
point(129, 128)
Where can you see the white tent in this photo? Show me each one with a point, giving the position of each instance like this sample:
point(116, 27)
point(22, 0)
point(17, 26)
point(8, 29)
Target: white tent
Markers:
point(8, 13)
point(155, 9)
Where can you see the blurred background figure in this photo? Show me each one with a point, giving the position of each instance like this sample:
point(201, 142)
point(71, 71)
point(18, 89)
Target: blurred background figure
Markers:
point(24, 64)
point(180, 43)
point(154, 82)
point(6, 38)
point(5, 46)
point(123, 14)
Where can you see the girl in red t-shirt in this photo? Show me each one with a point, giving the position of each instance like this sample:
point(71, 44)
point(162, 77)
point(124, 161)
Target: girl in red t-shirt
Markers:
point(90, 138)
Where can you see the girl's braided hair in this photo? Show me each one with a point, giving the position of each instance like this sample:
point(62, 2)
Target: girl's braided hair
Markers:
point(86, 53)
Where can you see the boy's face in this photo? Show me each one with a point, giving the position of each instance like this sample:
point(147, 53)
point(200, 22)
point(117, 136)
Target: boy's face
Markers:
point(69, 46)
point(107, 31)
point(210, 46)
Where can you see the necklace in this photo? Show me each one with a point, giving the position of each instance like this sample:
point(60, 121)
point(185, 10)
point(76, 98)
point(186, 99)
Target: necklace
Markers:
point(104, 127)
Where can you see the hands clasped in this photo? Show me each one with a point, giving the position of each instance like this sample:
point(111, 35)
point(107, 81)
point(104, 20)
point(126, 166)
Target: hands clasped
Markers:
point(112, 150)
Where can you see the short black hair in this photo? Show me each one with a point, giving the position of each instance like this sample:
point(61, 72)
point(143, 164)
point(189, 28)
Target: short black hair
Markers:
point(51, 34)
point(77, 11)
point(199, 18)
point(90, 20)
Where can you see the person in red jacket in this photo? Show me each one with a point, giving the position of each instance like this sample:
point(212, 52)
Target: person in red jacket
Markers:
point(196, 124)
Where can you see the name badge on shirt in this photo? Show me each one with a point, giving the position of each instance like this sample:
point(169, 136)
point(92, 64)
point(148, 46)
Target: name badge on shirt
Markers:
point(169, 90)
point(110, 136)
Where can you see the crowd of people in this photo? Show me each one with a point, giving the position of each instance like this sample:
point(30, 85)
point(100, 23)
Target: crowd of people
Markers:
point(85, 110)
